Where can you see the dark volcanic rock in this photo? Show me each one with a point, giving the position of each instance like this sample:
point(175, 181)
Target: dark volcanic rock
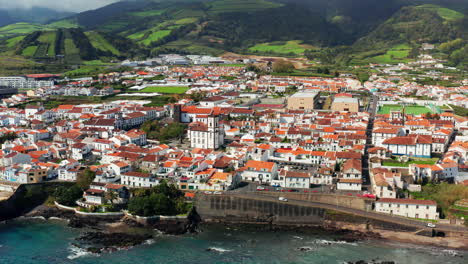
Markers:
point(372, 262)
point(48, 212)
point(108, 242)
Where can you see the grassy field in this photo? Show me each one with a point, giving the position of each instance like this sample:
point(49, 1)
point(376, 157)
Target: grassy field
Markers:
point(29, 51)
point(137, 35)
point(48, 43)
point(148, 13)
point(223, 6)
point(445, 13)
point(14, 41)
point(193, 47)
point(280, 47)
point(187, 20)
point(72, 52)
point(412, 110)
point(396, 54)
point(84, 70)
point(101, 43)
point(155, 36)
point(65, 23)
point(444, 194)
point(20, 28)
point(166, 90)
point(395, 163)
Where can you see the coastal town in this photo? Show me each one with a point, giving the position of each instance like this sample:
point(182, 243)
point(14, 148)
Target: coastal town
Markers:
point(214, 126)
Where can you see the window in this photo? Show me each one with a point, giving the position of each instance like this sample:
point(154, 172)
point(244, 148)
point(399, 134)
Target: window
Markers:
point(417, 206)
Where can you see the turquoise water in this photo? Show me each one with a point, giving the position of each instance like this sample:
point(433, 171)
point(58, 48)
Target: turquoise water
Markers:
point(50, 242)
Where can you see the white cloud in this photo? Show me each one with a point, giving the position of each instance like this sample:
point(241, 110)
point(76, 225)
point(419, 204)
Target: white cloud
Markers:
point(63, 5)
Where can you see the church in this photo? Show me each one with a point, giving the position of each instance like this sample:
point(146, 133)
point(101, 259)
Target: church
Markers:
point(205, 132)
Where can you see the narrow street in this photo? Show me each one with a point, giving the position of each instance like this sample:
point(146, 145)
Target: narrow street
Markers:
point(370, 126)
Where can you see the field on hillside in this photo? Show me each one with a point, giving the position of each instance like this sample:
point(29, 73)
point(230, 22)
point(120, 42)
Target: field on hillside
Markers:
point(445, 13)
point(281, 47)
point(148, 13)
point(396, 54)
point(29, 51)
point(101, 43)
point(155, 36)
point(193, 47)
point(65, 23)
point(13, 41)
point(412, 110)
point(166, 90)
point(18, 28)
point(223, 6)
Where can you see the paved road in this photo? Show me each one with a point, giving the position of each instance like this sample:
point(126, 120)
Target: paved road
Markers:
point(367, 214)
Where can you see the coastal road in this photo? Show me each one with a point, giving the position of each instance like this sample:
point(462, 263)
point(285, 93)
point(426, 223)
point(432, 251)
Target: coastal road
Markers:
point(367, 214)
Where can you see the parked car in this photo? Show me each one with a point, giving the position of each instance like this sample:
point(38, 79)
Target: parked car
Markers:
point(283, 199)
point(431, 225)
point(208, 192)
point(276, 185)
point(293, 190)
point(260, 188)
point(217, 193)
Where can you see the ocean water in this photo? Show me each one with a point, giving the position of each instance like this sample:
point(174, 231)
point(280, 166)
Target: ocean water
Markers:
point(51, 242)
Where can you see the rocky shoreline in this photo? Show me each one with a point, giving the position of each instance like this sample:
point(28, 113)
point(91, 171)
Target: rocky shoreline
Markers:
point(107, 235)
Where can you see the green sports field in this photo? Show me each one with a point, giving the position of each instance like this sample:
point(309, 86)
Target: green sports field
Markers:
point(412, 110)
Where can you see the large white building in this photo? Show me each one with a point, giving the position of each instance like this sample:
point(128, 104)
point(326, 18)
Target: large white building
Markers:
point(206, 133)
point(413, 146)
point(421, 209)
point(19, 82)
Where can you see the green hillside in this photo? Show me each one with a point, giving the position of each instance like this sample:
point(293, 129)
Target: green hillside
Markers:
point(330, 31)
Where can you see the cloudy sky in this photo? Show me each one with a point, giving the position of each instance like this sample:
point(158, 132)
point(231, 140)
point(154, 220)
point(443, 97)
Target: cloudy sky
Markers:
point(64, 5)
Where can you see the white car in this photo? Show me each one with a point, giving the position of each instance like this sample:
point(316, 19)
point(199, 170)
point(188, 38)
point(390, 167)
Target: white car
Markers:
point(260, 188)
point(283, 199)
point(217, 193)
point(431, 225)
point(207, 192)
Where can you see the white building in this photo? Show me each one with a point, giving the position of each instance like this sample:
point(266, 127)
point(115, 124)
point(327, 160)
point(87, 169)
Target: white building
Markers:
point(295, 179)
point(421, 209)
point(413, 146)
point(19, 82)
point(260, 171)
point(351, 178)
point(206, 133)
point(138, 179)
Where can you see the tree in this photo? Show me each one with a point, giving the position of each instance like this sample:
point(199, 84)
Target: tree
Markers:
point(111, 196)
point(283, 66)
point(86, 179)
point(68, 196)
point(163, 199)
